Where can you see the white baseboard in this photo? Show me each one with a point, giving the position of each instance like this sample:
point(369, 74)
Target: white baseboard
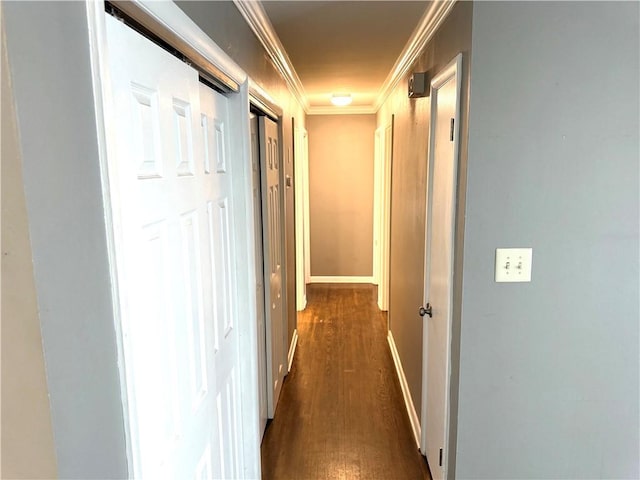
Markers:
point(325, 279)
point(413, 415)
point(292, 348)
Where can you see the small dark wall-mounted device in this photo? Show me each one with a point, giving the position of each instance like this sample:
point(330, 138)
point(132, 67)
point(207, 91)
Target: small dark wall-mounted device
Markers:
point(418, 86)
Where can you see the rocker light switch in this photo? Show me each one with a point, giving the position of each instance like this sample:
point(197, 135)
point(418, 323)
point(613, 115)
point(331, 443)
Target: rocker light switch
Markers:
point(513, 264)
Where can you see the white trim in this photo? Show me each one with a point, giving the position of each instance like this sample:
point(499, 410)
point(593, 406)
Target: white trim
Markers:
point(261, 99)
point(305, 206)
point(300, 156)
point(348, 110)
point(336, 279)
point(411, 411)
point(385, 222)
point(101, 83)
point(292, 349)
point(429, 23)
point(453, 69)
point(245, 298)
point(378, 169)
point(259, 22)
point(303, 302)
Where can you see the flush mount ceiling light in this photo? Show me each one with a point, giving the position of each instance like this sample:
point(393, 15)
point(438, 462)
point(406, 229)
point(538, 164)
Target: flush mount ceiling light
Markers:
point(341, 100)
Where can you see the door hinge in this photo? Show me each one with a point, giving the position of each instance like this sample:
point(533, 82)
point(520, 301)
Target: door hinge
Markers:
point(440, 457)
point(451, 132)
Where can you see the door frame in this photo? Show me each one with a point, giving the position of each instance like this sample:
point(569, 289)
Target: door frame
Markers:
point(263, 103)
point(301, 200)
point(305, 207)
point(452, 69)
point(378, 168)
point(167, 16)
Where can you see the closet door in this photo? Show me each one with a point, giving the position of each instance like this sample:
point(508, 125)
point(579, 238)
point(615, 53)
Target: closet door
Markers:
point(170, 190)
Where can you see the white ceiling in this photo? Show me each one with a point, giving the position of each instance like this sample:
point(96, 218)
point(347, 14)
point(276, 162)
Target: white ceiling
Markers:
point(344, 46)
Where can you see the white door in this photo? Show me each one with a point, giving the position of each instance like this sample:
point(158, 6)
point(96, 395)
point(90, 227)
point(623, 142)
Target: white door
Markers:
point(300, 153)
point(171, 197)
point(257, 209)
point(273, 272)
point(305, 207)
point(385, 217)
point(441, 203)
point(378, 169)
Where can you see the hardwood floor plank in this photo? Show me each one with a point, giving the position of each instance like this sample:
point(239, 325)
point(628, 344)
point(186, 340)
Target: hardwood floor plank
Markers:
point(341, 414)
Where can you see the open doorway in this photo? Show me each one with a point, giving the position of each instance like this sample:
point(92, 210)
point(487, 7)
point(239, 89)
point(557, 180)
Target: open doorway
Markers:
point(363, 216)
point(341, 198)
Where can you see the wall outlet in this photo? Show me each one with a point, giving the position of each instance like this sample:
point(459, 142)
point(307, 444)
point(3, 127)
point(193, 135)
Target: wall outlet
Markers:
point(513, 264)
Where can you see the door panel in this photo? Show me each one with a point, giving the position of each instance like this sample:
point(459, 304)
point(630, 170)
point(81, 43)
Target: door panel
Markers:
point(218, 198)
point(439, 270)
point(272, 237)
point(300, 160)
point(260, 298)
point(172, 211)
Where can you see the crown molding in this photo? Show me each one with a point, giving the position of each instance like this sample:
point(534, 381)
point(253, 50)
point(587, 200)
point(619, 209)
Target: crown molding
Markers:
point(257, 19)
point(347, 110)
point(429, 23)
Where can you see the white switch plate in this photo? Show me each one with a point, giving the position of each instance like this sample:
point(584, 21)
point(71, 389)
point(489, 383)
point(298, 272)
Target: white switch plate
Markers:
point(513, 264)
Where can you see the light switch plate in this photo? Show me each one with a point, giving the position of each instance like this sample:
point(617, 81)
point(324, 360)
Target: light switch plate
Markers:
point(513, 264)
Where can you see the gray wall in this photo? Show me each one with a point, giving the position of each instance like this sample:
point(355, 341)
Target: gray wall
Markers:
point(549, 369)
point(341, 194)
point(222, 21)
point(408, 193)
point(27, 436)
point(49, 61)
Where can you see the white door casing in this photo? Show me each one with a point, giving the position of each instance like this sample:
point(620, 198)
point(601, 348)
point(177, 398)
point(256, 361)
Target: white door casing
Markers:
point(305, 207)
point(175, 250)
point(300, 160)
point(440, 235)
point(378, 170)
point(273, 266)
point(260, 306)
point(386, 148)
point(221, 242)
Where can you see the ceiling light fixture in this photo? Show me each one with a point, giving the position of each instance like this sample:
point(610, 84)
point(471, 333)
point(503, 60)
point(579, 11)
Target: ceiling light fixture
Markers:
point(341, 100)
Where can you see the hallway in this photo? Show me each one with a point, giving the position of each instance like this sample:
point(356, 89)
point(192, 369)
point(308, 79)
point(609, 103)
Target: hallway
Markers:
point(341, 414)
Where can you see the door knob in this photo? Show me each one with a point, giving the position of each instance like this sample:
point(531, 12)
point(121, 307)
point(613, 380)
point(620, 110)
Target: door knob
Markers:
point(426, 311)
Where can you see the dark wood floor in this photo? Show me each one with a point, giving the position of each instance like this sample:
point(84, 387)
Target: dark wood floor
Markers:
point(341, 414)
